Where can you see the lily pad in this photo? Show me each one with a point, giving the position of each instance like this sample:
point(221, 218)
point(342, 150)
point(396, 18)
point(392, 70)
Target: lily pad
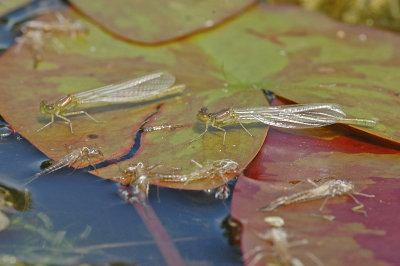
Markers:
point(282, 167)
point(8, 5)
point(155, 22)
point(384, 13)
point(306, 59)
point(98, 59)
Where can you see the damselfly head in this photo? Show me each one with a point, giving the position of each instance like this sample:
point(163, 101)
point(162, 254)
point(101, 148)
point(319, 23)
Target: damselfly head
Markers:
point(133, 171)
point(203, 115)
point(46, 108)
point(226, 166)
point(94, 151)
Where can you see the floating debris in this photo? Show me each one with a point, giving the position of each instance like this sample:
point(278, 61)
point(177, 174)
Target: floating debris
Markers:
point(4, 221)
point(274, 221)
point(278, 239)
point(12, 199)
point(158, 128)
point(325, 217)
point(19, 200)
point(232, 230)
point(223, 192)
point(5, 132)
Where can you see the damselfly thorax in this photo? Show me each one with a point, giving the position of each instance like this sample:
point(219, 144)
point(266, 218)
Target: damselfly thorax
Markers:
point(221, 118)
point(63, 104)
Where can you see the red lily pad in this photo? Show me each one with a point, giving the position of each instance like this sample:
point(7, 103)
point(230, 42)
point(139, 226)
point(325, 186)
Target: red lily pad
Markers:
point(282, 167)
point(98, 59)
point(151, 22)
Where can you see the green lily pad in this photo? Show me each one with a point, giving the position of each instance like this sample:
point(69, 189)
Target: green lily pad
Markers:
point(9, 5)
point(306, 59)
point(152, 22)
point(383, 13)
point(98, 59)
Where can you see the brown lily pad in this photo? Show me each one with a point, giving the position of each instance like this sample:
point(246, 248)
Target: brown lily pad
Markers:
point(97, 59)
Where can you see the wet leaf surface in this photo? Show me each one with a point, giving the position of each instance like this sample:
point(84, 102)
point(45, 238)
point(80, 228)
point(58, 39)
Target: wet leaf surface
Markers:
point(383, 13)
point(307, 60)
point(282, 167)
point(217, 79)
point(153, 22)
point(297, 55)
point(98, 59)
point(8, 5)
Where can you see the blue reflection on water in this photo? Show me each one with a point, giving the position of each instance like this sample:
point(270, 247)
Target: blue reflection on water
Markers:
point(32, 9)
point(75, 199)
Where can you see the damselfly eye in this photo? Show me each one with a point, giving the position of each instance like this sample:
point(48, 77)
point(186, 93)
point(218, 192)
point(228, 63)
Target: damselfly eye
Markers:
point(203, 115)
point(45, 107)
point(203, 110)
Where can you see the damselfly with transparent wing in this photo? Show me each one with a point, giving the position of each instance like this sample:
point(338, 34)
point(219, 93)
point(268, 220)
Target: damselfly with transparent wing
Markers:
point(213, 169)
point(34, 34)
point(285, 116)
point(144, 88)
point(327, 190)
point(74, 156)
point(277, 240)
point(139, 176)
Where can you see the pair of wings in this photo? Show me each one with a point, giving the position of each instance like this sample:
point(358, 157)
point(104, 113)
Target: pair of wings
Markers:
point(148, 87)
point(299, 115)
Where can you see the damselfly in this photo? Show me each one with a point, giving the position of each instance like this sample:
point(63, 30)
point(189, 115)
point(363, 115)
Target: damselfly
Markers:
point(74, 156)
point(34, 39)
point(277, 239)
point(61, 25)
point(139, 176)
point(214, 169)
point(327, 190)
point(285, 116)
point(148, 87)
point(34, 31)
